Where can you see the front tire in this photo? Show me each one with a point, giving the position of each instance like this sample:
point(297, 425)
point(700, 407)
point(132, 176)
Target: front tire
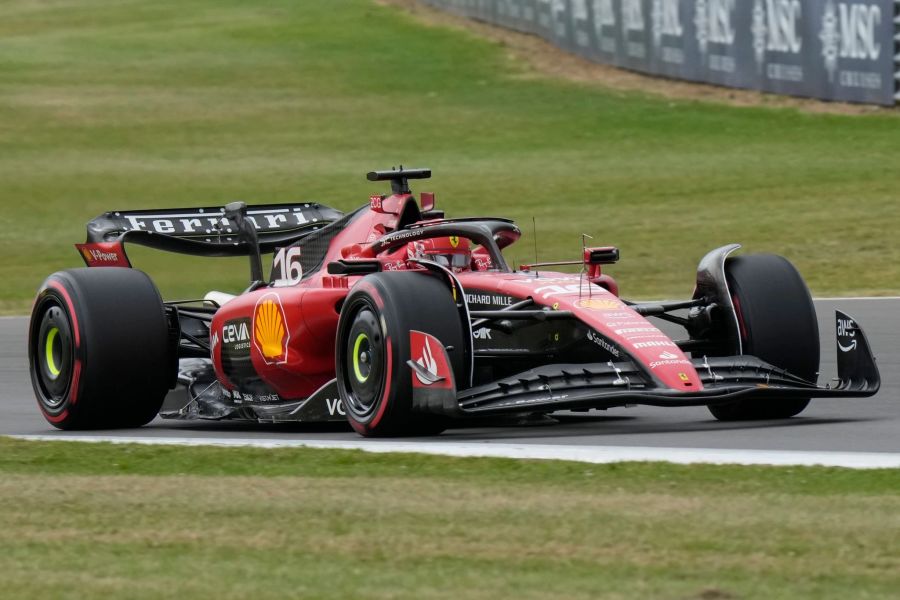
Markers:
point(99, 349)
point(373, 347)
point(777, 321)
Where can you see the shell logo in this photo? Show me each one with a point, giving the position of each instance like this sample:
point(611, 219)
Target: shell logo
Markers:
point(599, 304)
point(270, 334)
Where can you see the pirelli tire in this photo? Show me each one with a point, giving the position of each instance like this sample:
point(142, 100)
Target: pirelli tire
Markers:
point(373, 347)
point(777, 322)
point(99, 349)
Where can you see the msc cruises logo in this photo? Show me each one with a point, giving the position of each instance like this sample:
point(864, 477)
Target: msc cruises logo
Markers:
point(849, 31)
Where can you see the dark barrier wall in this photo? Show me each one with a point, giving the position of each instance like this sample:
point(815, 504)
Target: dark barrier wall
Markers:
point(830, 49)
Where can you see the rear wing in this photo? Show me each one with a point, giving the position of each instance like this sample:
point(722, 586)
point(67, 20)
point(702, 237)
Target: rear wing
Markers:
point(199, 231)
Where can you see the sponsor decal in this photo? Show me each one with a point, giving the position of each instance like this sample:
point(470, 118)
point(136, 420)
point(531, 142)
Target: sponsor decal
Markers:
point(714, 26)
point(270, 333)
point(427, 360)
point(95, 255)
point(600, 341)
point(454, 241)
point(265, 398)
point(375, 201)
point(240, 397)
point(535, 280)
point(665, 19)
point(214, 222)
point(628, 330)
point(623, 314)
point(655, 344)
point(395, 265)
point(402, 235)
point(490, 299)
point(661, 363)
point(633, 23)
point(236, 338)
point(484, 333)
point(776, 28)
point(846, 332)
point(580, 18)
point(605, 25)
point(603, 304)
point(482, 263)
point(850, 32)
point(684, 377)
point(668, 356)
point(548, 291)
point(426, 351)
point(335, 407)
point(103, 254)
point(524, 401)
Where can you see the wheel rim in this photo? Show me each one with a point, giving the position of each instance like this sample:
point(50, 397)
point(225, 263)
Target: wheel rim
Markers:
point(53, 354)
point(364, 356)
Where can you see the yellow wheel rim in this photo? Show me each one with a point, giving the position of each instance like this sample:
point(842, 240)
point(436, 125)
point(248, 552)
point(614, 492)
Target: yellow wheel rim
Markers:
point(48, 351)
point(356, 367)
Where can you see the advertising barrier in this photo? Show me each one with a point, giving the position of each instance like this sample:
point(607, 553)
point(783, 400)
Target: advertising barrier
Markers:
point(842, 50)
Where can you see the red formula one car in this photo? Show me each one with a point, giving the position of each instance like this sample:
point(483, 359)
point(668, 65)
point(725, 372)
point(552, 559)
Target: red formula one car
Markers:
point(399, 320)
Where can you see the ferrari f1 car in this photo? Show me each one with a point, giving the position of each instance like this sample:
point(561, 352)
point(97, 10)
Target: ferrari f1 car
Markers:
point(399, 320)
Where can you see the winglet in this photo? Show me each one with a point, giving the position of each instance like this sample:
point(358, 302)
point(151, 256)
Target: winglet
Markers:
point(857, 370)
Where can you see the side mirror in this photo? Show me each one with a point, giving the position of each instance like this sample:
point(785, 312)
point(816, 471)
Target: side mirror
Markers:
point(606, 255)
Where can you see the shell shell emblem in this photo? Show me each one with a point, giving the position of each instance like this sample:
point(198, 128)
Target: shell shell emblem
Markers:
point(270, 334)
point(599, 304)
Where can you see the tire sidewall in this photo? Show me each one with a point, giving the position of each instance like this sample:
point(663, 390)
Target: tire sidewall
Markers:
point(53, 293)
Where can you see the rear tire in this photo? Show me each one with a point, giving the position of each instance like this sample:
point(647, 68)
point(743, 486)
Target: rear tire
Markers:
point(373, 347)
point(778, 324)
point(99, 349)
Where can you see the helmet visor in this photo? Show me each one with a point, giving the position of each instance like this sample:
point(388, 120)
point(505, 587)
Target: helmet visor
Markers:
point(456, 261)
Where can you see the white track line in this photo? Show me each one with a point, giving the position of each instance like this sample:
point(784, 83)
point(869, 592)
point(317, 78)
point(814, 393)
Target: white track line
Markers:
point(845, 298)
point(587, 454)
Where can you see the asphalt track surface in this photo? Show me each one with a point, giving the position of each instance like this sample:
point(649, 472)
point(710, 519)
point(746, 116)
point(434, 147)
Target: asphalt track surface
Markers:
point(838, 425)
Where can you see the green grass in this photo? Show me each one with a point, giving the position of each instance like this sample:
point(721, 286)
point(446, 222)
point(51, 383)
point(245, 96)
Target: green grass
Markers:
point(113, 521)
point(144, 104)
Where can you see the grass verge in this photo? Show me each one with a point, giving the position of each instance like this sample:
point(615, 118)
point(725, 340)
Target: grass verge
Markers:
point(141, 104)
point(100, 520)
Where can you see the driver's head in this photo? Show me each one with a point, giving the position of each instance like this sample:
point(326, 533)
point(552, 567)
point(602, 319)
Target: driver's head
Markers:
point(452, 252)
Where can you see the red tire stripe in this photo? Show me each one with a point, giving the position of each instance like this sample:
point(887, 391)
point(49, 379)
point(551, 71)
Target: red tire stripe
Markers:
point(59, 288)
point(60, 417)
point(73, 386)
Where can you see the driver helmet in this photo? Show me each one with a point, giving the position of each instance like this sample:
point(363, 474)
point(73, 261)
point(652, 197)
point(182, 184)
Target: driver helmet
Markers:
point(452, 252)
